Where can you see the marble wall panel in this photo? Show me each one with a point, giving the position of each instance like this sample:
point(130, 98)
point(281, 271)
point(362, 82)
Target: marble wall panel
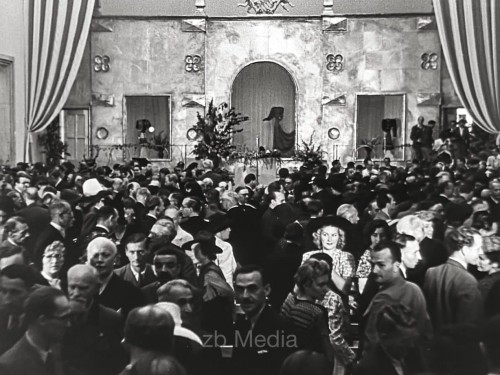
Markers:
point(147, 58)
point(295, 45)
point(389, 62)
point(381, 55)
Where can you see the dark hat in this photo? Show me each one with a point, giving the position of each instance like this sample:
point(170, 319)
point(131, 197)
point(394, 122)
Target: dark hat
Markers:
point(70, 196)
point(206, 240)
point(321, 222)
point(319, 182)
point(457, 211)
point(219, 222)
point(294, 232)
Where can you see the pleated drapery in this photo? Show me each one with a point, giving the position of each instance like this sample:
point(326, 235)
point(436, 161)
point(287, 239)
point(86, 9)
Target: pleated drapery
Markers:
point(469, 33)
point(57, 34)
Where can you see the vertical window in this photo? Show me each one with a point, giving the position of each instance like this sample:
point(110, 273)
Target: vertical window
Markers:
point(148, 126)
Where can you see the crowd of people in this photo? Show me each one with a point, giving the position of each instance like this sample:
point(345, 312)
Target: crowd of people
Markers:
point(371, 268)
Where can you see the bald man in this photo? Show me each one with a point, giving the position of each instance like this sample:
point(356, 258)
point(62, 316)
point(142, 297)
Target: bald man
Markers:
point(118, 294)
point(93, 343)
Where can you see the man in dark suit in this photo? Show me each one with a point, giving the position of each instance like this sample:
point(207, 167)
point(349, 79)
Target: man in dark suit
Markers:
point(208, 166)
point(192, 221)
point(325, 195)
point(155, 209)
point(137, 272)
point(15, 283)
point(47, 313)
point(259, 320)
point(114, 292)
point(461, 139)
point(244, 224)
point(61, 218)
point(451, 292)
point(142, 195)
point(92, 343)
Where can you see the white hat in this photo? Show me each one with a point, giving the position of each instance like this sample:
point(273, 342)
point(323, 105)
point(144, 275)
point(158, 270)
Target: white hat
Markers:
point(91, 187)
point(175, 311)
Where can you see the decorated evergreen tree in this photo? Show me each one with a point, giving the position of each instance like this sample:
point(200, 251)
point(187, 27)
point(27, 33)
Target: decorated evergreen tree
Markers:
point(215, 131)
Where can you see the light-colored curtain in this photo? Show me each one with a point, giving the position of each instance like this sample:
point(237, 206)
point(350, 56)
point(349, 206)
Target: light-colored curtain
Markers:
point(57, 33)
point(156, 109)
point(256, 90)
point(470, 37)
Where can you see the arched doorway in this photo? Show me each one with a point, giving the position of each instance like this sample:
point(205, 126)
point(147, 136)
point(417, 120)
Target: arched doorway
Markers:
point(265, 92)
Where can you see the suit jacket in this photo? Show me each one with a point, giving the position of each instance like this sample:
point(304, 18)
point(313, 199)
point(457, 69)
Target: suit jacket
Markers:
point(249, 358)
point(37, 218)
point(94, 346)
point(126, 274)
point(194, 224)
point(452, 295)
point(9, 335)
point(433, 254)
point(120, 295)
point(147, 223)
point(22, 359)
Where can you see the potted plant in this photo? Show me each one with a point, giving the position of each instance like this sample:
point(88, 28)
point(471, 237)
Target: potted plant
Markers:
point(54, 148)
point(368, 145)
point(309, 154)
point(215, 132)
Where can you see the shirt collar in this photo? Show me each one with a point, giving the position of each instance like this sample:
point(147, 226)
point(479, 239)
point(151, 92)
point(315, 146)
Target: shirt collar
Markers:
point(460, 261)
point(40, 351)
point(59, 228)
point(136, 274)
point(103, 227)
point(403, 269)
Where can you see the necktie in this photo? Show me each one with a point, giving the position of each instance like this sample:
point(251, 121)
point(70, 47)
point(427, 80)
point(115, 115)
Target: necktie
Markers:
point(139, 279)
point(50, 363)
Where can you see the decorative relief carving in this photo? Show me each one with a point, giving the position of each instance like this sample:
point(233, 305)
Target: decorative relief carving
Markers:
point(429, 61)
point(193, 100)
point(426, 23)
point(335, 24)
point(101, 63)
point(193, 63)
point(428, 99)
point(335, 62)
point(194, 25)
point(338, 100)
point(265, 6)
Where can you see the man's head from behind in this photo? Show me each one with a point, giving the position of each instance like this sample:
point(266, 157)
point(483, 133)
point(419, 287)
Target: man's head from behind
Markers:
point(16, 281)
point(180, 292)
point(149, 328)
point(464, 243)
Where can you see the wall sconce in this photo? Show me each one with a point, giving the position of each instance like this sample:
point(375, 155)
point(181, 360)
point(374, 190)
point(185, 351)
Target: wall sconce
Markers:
point(101, 63)
point(335, 63)
point(193, 63)
point(101, 133)
point(429, 61)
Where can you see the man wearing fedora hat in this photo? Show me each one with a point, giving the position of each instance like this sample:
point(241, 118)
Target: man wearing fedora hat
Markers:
point(218, 296)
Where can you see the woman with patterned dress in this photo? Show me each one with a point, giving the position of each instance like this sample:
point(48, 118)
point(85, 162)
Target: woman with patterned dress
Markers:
point(332, 242)
point(338, 323)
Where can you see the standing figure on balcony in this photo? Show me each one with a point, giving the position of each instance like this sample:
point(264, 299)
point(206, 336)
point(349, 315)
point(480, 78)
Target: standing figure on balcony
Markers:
point(274, 136)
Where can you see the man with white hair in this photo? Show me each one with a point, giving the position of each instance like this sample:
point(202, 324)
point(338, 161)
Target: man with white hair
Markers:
point(114, 292)
point(92, 322)
point(433, 252)
point(208, 165)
